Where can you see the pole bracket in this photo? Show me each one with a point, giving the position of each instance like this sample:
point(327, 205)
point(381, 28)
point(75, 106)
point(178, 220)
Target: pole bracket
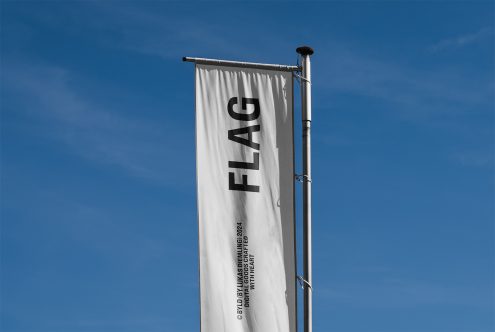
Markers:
point(300, 78)
point(304, 283)
point(302, 178)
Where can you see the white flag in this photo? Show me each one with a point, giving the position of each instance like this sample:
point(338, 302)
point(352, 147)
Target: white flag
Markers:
point(245, 175)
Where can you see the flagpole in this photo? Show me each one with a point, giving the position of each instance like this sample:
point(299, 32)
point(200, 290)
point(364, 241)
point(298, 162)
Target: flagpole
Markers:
point(306, 52)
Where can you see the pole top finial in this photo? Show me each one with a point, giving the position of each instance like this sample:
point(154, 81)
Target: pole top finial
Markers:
point(305, 50)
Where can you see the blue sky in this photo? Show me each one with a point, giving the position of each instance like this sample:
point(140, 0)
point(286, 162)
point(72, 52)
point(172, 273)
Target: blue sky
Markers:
point(98, 220)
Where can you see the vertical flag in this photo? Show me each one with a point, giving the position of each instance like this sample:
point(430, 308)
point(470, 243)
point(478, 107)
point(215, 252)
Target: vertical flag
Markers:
point(245, 178)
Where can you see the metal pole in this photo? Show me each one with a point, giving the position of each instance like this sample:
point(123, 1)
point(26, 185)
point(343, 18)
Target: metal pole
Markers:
point(305, 52)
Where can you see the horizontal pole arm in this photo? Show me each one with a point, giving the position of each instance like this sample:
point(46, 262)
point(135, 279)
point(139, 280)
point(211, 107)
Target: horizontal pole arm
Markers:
point(241, 64)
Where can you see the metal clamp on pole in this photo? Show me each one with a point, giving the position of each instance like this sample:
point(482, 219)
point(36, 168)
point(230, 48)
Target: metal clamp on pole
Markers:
point(301, 78)
point(302, 178)
point(305, 53)
point(304, 283)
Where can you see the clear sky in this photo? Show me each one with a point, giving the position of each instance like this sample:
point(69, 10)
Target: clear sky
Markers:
point(98, 221)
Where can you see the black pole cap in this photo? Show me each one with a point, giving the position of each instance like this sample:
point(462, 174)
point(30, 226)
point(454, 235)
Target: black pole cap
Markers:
point(305, 50)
